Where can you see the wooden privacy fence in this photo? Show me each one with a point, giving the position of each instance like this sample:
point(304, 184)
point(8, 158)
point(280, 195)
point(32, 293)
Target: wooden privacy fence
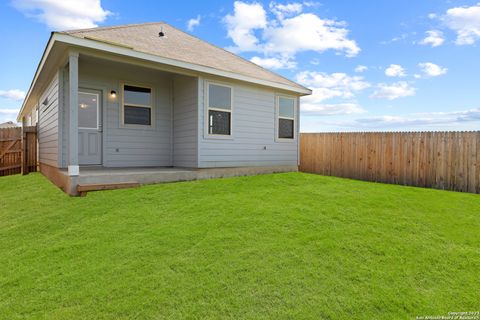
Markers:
point(18, 150)
point(442, 160)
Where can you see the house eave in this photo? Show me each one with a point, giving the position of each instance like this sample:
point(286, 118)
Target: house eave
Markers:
point(129, 52)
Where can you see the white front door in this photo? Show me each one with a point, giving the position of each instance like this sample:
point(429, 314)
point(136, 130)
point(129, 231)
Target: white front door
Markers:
point(89, 127)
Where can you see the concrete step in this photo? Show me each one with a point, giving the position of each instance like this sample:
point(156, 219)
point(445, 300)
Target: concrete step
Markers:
point(82, 189)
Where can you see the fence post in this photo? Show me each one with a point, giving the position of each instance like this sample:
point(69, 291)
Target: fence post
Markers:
point(24, 152)
point(29, 150)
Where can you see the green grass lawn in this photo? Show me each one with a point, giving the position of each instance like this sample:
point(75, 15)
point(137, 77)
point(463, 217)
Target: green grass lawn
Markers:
point(284, 246)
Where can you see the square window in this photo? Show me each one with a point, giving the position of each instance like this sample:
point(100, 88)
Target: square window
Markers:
point(137, 105)
point(285, 129)
point(137, 115)
point(219, 97)
point(219, 122)
point(137, 95)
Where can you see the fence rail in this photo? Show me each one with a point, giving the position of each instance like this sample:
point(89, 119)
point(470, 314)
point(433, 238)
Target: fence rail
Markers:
point(18, 150)
point(442, 160)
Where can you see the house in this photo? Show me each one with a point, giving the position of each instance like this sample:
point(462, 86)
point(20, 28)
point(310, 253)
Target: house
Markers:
point(8, 124)
point(149, 103)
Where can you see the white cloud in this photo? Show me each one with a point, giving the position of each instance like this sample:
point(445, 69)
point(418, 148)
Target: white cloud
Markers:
point(452, 119)
point(13, 94)
point(8, 115)
point(395, 70)
point(360, 69)
point(402, 37)
point(326, 86)
point(311, 4)
point(64, 14)
point(285, 10)
point(275, 63)
point(194, 22)
point(330, 86)
point(8, 111)
point(434, 38)
point(393, 91)
point(287, 33)
point(330, 109)
point(308, 32)
point(242, 24)
point(465, 21)
point(431, 69)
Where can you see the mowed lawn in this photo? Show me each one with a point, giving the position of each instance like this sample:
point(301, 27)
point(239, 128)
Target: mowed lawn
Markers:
point(282, 246)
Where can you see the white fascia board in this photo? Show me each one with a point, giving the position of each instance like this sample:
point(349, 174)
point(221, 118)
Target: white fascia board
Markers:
point(104, 46)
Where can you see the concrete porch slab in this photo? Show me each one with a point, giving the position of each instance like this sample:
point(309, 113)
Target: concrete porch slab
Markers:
point(152, 175)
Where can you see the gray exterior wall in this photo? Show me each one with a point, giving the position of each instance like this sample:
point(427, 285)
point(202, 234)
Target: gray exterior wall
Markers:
point(253, 141)
point(179, 137)
point(127, 146)
point(185, 123)
point(48, 124)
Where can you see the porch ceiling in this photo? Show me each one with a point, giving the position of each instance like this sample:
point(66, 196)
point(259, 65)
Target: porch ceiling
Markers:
point(127, 66)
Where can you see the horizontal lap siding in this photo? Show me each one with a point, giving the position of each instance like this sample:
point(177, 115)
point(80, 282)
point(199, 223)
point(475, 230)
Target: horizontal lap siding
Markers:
point(253, 133)
point(185, 108)
point(152, 145)
point(133, 147)
point(48, 124)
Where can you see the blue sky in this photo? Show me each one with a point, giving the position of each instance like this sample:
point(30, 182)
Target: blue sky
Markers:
point(372, 65)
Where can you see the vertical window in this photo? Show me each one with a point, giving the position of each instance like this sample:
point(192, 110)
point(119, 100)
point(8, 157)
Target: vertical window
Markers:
point(137, 105)
point(219, 110)
point(286, 118)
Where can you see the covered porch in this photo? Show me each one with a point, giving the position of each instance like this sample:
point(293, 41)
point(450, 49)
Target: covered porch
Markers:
point(124, 114)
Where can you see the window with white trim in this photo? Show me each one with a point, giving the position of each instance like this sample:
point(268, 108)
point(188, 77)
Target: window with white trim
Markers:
point(286, 117)
point(137, 105)
point(219, 109)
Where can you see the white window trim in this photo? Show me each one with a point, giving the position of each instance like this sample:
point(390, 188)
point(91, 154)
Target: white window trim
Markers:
point(207, 108)
point(98, 110)
point(278, 117)
point(122, 111)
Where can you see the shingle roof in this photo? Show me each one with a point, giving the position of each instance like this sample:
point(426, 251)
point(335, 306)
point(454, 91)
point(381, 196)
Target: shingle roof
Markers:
point(180, 46)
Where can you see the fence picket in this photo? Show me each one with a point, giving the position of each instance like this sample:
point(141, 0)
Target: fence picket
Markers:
point(18, 150)
point(442, 160)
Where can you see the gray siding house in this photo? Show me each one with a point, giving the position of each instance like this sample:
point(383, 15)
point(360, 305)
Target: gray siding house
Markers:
point(126, 103)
